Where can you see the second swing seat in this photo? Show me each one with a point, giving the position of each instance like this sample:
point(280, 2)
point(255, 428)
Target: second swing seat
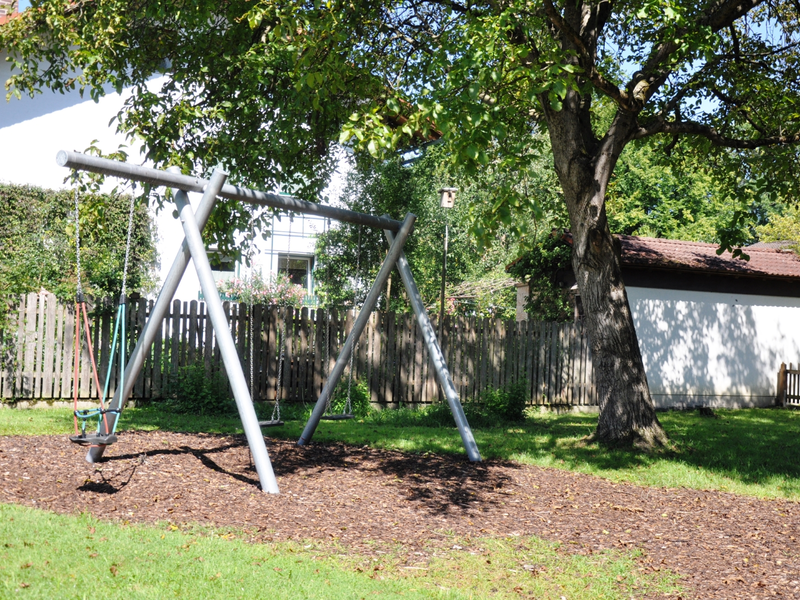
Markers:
point(339, 417)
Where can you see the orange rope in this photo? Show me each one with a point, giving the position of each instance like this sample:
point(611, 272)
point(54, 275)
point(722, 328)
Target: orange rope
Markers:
point(94, 364)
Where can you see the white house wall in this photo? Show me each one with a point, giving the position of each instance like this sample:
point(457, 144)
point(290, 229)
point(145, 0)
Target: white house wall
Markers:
point(714, 349)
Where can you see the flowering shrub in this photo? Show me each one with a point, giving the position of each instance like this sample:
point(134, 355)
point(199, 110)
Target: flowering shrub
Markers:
point(255, 290)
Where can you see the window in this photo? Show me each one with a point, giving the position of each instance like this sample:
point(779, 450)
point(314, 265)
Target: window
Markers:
point(220, 262)
point(298, 268)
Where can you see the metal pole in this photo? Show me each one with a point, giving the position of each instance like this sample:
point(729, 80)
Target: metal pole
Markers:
point(444, 274)
point(441, 300)
point(160, 309)
point(395, 250)
point(435, 352)
point(76, 160)
point(227, 348)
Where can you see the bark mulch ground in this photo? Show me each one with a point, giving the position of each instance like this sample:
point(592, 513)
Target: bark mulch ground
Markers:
point(724, 546)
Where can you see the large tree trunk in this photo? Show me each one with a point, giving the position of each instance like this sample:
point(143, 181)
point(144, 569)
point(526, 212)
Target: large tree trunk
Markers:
point(584, 166)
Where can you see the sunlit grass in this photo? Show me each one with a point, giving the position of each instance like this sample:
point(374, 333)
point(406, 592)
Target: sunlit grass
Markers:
point(43, 555)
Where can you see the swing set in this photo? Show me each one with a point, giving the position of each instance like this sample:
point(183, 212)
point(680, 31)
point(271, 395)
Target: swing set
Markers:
point(396, 233)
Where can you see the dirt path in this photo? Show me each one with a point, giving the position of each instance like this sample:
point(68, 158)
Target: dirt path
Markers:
point(725, 546)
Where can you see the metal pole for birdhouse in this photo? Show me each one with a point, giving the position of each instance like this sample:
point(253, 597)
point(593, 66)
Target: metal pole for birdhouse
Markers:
point(447, 200)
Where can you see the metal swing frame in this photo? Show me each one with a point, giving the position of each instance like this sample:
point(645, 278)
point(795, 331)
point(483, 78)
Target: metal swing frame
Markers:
point(192, 247)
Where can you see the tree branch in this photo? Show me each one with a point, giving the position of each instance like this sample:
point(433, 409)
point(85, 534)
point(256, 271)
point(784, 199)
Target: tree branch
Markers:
point(721, 15)
point(711, 134)
point(585, 57)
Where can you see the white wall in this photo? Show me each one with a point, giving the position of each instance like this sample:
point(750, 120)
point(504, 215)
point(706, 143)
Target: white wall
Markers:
point(714, 349)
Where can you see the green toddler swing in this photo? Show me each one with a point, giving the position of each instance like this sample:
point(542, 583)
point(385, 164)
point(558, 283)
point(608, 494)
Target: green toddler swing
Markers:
point(83, 416)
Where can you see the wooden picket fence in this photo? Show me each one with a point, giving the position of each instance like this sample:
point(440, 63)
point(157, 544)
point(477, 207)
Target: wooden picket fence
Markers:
point(788, 385)
point(554, 358)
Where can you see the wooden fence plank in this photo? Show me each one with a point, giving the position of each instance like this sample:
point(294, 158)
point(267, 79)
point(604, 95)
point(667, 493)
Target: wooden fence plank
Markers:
point(374, 357)
point(58, 350)
point(191, 352)
point(389, 341)
point(38, 357)
point(319, 351)
point(304, 355)
point(174, 329)
point(469, 367)
point(27, 385)
point(47, 369)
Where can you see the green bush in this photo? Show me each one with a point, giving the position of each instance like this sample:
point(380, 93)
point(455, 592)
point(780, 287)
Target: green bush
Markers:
point(493, 406)
point(193, 390)
point(508, 403)
point(359, 397)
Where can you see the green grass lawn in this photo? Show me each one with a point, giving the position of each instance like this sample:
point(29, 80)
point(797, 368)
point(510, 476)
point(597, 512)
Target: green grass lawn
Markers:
point(43, 555)
point(753, 452)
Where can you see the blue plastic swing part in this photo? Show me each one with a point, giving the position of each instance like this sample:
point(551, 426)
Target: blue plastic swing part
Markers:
point(96, 438)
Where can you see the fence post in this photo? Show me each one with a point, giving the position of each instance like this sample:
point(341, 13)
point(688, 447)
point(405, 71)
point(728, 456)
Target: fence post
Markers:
point(780, 397)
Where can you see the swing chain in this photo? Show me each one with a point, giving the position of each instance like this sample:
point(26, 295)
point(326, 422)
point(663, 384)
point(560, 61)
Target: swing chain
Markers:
point(128, 242)
point(348, 409)
point(276, 411)
point(325, 356)
point(78, 247)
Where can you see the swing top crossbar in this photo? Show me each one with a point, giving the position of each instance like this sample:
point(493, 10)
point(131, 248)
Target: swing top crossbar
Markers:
point(187, 183)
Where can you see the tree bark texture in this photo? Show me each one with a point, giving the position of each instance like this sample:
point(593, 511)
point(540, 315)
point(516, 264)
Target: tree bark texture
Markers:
point(584, 166)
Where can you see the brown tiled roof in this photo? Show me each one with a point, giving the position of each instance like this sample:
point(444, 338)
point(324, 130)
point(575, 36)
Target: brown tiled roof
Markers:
point(696, 256)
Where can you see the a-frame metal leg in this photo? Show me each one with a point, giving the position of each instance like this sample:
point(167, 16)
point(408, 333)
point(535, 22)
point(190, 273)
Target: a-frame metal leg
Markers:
point(437, 358)
point(160, 309)
point(227, 348)
point(395, 250)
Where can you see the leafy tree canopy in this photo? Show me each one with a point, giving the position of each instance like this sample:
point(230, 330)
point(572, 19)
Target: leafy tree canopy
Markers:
point(267, 86)
point(784, 227)
point(475, 264)
point(540, 267)
point(37, 243)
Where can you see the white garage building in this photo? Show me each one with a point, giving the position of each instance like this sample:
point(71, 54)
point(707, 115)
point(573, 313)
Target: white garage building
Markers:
point(713, 330)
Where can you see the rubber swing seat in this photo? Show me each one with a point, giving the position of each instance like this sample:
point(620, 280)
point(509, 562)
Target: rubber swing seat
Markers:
point(93, 439)
point(270, 423)
point(339, 417)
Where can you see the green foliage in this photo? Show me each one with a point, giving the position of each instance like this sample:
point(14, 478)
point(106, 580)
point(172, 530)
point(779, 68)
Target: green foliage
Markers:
point(508, 403)
point(195, 390)
point(495, 406)
point(541, 266)
point(492, 296)
point(687, 195)
point(359, 397)
point(782, 228)
point(475, 259)
point(37, 243)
